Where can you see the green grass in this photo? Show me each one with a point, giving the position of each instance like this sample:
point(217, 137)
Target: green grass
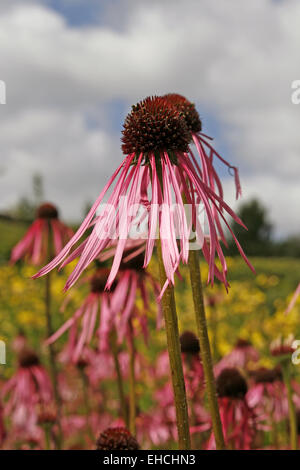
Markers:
point(10, 233)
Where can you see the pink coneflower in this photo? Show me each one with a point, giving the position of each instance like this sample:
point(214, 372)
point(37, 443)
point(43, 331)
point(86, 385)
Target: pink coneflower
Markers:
point(282, 348)
point(116, 439)
point(167, 413)
point(192, 366)
point(152, 428)
point(267, 395)
point(240, 356)
point(238, 419)
point(157, 169)
point(29, 387)
point(114, 307)
point(205, 150)
point(34, 245)
point(84, 321)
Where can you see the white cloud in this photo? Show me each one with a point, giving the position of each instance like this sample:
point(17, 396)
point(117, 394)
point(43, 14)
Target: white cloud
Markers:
point(235, 59)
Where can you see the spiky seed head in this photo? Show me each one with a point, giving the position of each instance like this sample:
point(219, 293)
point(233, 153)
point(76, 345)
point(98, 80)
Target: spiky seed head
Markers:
point(231, 384)
point(47, 211)
point(116, 439)
point(187, 110)
point(28, 358)
point(189, 343)
point(155, 125)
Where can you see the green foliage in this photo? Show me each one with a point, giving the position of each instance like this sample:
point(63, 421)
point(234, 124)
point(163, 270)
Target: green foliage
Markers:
point(10, 233)
point(257, 239)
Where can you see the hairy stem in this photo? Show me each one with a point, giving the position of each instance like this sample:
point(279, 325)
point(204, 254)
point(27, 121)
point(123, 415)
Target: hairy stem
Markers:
point(52, 355)
point(171, 326)
point(85, 388)
point(120, 383)
point(132, 395)
point(195, 276)
point(292, 411)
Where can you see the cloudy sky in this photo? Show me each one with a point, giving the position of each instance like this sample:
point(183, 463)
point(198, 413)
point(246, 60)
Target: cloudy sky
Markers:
point(72, 69)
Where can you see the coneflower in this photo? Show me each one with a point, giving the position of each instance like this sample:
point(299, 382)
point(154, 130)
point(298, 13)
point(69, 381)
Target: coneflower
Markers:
point(209, 177)
point(282, 349)
point(27, 389)
point(34, 245)
point(156, 144)
point(267, 393)
point(44, 239)
point(205, 150)
point(157, 168)
point(116, 439)
point(97, 300)
point(242, 353)
point(267, 396)
point(192, 365)
point(238, 419)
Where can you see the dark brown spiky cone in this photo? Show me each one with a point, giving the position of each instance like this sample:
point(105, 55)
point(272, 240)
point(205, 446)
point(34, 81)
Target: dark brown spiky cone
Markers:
point(154, 125)
point(187, 110)
point(242, 343)
point(47, 416)
point(231, 384)
point(28, 358)
point(47, 211)
point(134, 264)
point(189, 343)
point(99, 279)
point(116, 439)
point(264, 375)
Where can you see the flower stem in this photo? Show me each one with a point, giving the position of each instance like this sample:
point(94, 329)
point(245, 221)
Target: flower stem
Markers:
point(292, 412)
point(49, 332)
point(171, 325)
point(85, 388)
point(120, 384)
point(214, 327)
point(195, 276)
point(47, 431)
point(132, 396)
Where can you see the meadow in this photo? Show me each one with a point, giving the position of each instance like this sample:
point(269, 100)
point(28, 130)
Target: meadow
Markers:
point(253, 310)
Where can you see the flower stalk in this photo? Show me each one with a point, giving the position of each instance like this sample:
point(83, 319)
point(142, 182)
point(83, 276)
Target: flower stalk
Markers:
point(132, 383)
point(195, 277)
point(120, 384)
point(173, 343)
point(52, 358)
point(292, 412)
point(174, 350)
point(85, 388)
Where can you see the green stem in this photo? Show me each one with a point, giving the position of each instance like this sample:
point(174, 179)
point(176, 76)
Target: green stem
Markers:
point(85, 387)
point(214, 326)
point(171, 325)
point(195, 276)
point(173, 343)
point(122, 399)
point(292, 412)
point(132, 396)
point(47, 431)
point(52, 354)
